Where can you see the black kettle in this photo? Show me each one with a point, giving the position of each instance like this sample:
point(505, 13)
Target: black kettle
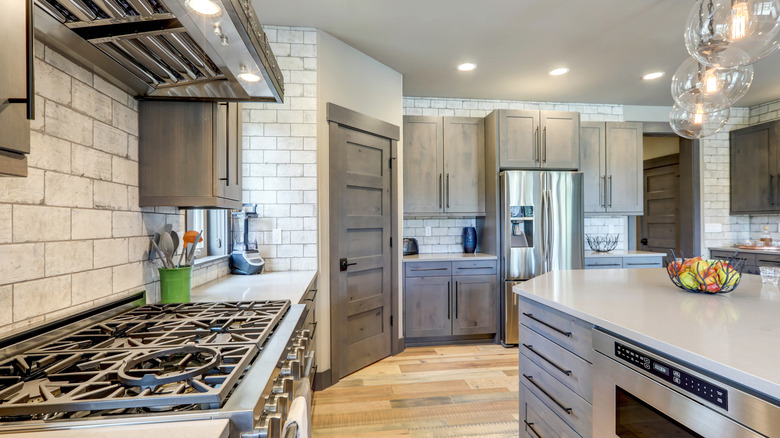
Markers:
point(410, 246)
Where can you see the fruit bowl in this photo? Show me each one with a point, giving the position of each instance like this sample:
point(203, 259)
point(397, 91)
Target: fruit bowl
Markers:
point(705, 276)
point(602, 243)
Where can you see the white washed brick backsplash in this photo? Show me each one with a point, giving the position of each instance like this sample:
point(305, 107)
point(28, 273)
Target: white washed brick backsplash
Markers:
point(280, 144)
point(72, 235)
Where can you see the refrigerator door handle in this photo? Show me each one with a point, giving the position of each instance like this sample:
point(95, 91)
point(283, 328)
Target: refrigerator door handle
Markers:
point(543, 220)
point(548, 217)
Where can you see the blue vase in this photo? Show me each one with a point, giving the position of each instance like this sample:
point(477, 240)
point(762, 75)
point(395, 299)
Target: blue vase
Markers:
point(469, 240)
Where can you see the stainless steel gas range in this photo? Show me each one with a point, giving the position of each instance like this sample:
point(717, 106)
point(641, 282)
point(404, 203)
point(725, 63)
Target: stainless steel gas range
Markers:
point(121, 364)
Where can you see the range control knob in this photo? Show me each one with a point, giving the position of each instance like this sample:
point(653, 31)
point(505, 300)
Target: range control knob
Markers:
point(278, 404)
point(284, 386)
point(302, 342)
point(305, 333)
point(270, 427)
point(291, 369)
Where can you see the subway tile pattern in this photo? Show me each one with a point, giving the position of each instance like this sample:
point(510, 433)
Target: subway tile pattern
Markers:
point(280, 157)
point(72, 234)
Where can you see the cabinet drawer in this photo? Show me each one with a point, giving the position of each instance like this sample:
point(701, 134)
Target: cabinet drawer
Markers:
point(476, 267)
point(642, 262)
point(559, 362)
point(539, 420)
point(722, 255)
point(571, 408)
point(428, 269)
point(767, 260)
point(603, 263)
point(565, 330)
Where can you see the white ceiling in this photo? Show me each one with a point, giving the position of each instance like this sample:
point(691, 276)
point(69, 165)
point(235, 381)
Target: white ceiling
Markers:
point(607, 44)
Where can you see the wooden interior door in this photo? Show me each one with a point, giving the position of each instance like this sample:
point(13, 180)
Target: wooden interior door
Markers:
point(660, 225)
point(360, 232)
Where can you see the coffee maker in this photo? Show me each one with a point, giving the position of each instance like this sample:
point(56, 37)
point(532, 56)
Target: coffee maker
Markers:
point(245, 258)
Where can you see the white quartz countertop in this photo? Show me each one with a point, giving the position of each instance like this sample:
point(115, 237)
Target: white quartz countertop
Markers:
point(734, 249)
point(448, 257)
point(735, 335)
point(190, 429)
point(623, 253)
point(290, 285)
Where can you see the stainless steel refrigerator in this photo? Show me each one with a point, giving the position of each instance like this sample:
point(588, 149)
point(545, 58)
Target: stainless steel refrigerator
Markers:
point(541, 217)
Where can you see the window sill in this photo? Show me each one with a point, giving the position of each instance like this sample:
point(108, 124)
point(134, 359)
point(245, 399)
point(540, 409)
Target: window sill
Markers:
point(210, 260)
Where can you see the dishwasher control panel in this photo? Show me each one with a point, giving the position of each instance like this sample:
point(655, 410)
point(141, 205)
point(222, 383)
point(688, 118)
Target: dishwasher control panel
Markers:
point(679, 378)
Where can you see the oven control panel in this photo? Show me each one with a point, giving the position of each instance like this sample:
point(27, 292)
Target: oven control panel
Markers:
point(688, 383)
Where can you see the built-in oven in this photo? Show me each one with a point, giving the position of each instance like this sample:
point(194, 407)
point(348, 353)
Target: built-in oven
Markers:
point(639, 393)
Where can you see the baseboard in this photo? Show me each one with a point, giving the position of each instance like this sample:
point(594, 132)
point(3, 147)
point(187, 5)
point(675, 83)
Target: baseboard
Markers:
point(323, 380)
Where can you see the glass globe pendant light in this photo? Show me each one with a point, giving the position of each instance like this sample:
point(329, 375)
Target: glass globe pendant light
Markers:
point(714, 88)
point(728, 33)
point(697, 123)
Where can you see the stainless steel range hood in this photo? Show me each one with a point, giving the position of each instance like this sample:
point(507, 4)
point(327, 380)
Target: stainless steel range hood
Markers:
point(163, 49)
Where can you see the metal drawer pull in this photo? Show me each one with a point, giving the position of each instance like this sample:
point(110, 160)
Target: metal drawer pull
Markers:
point(475, 267)
point(603, 264)
point(429, 269)
point(449, 301)
point(533, 429)
point(560, 405)
point(558, 367)
point(530, 315)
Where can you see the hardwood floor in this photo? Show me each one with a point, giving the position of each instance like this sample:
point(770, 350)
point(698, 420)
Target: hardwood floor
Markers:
point(442, 391)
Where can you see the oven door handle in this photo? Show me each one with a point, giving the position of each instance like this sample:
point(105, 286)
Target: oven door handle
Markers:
point(533, 429)
point(558, 367)
point(554, 400)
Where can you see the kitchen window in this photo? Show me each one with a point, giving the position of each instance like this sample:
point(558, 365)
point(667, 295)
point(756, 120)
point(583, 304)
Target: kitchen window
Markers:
point(214, 224)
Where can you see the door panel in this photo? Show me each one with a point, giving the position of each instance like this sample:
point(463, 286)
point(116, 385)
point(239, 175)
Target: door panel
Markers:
point(360, 227)
point(592, 165)
point(14, 126)
point(464, 165)
point(564, 216)
point(753, 167)
point(521, 189)
point(427, 303)
point(560, 140)
point(660, 223)
point(423, 163)
point(624, 167)
point(519, 139)
point(474, 305)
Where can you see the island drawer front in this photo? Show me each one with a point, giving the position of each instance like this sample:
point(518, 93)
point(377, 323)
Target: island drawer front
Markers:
point(428, 269)
point(751, 262)
point(565, 330)
point(642, 262)
point(475, 267)
point(767, 260)
point(571, 408)
point(559, 362)
point(603, 262)
point(539, 417)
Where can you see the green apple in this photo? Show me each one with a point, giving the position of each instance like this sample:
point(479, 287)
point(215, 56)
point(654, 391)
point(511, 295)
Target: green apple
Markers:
point(688, 280)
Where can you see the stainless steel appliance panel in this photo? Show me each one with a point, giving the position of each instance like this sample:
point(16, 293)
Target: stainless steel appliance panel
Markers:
point(522, 210)
point(564, 221)
point(511, 315)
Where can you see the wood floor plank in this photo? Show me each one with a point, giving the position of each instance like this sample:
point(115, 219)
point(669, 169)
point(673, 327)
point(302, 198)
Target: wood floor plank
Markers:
point(442, 391)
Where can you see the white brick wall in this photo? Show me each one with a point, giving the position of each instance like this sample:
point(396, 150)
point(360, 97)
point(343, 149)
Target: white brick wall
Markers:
point(444, 237)
point(72, 234)
point(280, 156)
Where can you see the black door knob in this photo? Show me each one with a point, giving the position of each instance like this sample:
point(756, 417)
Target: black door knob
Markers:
point(344, 263)
point(643, 241)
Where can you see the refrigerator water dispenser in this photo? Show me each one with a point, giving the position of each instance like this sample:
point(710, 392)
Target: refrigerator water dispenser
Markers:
point(522, 219)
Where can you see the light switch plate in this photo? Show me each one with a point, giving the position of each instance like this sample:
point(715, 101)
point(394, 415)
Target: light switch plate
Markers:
point(427, 231)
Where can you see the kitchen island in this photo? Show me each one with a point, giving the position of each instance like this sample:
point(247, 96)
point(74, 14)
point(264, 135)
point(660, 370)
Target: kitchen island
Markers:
point(732, 337)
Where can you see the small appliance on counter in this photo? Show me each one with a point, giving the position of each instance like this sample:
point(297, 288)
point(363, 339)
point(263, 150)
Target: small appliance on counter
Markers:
point(245, 258)
point(410, 246)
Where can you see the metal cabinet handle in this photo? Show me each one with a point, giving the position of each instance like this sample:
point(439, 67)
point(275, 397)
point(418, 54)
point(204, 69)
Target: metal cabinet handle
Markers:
point(771, 190)
point(536, 144)
point(448, 190)
point(544, 145)
point(777, 192)
point(602, 189)
point(456, 300)
point(554, 400)
point(530, 315)
point(610, 191)
point(533, 429)
point(428, 269)
point(603, 264)
point(440, 190)
point(449, 301)
point(558, 367)
point(29, 99)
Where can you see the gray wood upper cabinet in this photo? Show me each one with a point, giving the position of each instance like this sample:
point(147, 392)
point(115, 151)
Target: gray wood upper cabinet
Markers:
point(611, 161)
point(529, 139)
point(190, 154)
point(755, 169)
point(444, 161)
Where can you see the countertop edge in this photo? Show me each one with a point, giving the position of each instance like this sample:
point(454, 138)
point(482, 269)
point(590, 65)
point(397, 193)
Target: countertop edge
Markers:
point(623, 253)
point(448, 257)
point(682, 355)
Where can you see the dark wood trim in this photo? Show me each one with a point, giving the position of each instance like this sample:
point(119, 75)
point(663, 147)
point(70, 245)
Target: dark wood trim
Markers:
point(657, 129)
point(396, 341)
point(451, 340)
point(335, 332)
point(323, 380)
point(362, 122)
point(690, 197)
point(666, 160)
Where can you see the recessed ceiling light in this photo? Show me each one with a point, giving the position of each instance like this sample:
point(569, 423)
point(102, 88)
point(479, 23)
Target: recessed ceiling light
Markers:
point(467, 66)
point(653, 75)
point(207, 8)
point(559, 71)
point(249, 77)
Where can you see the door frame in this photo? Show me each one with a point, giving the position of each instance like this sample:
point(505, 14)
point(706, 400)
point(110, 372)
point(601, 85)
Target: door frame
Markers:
point(690, 188)
point(337, 117)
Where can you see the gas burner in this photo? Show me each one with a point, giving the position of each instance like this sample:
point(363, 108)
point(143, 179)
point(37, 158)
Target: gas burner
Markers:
point(169, 366)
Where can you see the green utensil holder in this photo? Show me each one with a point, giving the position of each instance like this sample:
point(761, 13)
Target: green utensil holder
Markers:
point(175, 284)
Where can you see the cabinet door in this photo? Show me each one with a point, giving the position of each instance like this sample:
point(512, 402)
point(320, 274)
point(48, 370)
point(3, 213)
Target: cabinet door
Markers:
point(427, 303)
point(518, 132)
point(464, 165)
point(560, 133)
point(229, 184)
point(754, 182)
point(14, 126)
point(423, 166)
point(593, 164)
point(474, 305)
point(625, 191)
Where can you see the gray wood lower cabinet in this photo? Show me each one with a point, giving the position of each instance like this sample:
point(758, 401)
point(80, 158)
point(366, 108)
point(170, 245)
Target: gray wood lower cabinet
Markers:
point(602, 262)
point(442, 307)
point(751, 260)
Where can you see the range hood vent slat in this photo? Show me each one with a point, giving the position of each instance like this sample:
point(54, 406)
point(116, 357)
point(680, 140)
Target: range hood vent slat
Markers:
point(121, 57)
point(157, 66)
point(112, 8)
point(162, 48)
point(80, 9)
point(143, 8)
